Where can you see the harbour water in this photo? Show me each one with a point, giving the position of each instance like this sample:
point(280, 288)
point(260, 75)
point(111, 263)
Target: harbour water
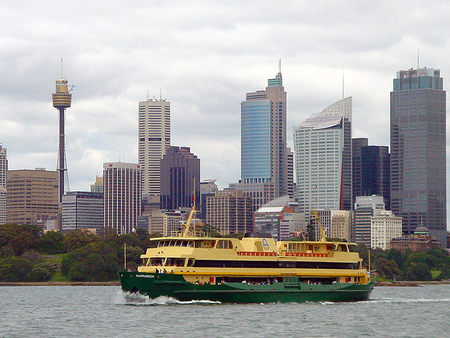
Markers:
point(102, 311)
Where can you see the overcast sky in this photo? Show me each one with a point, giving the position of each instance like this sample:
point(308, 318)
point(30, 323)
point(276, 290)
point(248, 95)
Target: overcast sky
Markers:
point(202, 56)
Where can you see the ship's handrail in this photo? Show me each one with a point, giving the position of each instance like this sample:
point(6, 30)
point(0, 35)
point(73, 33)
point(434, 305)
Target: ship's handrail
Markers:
point(307, 254)
point(255, 253)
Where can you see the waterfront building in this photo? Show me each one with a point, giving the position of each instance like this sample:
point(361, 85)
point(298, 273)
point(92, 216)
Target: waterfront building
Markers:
point(418, 150)
point(323, 155)
point(384, 226)
point(230, 211)
point(154, 140)
point(3, 171)
point(180, 177)
point(122, 196)
point(266, 161)
point(82, 210)
point(371, 170)
point(420, 240)
point(32, 196)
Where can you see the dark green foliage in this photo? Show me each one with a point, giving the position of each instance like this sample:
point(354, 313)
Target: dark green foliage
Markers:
point(387, 268)
point(95, 261)
point(409, 265)
point(418, 272)
point(33, 257)
point(421, 257)
point(51, 242)
point(76, 239)
point(19, 238)
point(398, 257)
point(14, 269)
point(41, 272)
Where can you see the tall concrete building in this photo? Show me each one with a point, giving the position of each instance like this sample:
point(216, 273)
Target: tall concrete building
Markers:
point(418, 150)
point(230, 212)
point(122, 195)
point(3, 171)
point(32, 196)
point(265, 161)
point(384, 227)
point(365, 207)
point(82, 210)
point(154, 140)
point(180, 177)
point(371, 170)
point(323, 157)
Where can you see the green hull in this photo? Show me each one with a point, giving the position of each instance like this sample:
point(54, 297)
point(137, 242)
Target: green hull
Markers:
point(289, 290)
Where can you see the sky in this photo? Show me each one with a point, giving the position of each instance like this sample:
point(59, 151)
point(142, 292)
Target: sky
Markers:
point(202, 57)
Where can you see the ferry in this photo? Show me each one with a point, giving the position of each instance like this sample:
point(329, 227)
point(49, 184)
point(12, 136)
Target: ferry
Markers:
point(188, 266)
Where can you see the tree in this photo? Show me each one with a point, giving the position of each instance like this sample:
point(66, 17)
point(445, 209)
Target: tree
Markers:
point(41, 272)
point(76, 239)
point(51, 242)
point(421, 257)
point(19, 238)
point(418, 272)
point(14, 269)
point(388, 268)
point(95, 261)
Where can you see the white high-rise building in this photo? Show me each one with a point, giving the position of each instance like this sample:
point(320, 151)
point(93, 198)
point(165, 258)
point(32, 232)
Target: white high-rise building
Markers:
point(121, 196)
point(154, 140)
point(323, 144)
point(384, 227)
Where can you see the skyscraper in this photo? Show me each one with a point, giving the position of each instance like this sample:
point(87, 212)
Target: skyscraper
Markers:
point(121, 196)
point(3, 170)
point(154, 139)
point(323, 157)
point(371, 170)
point(180, 170)
point(33, 196)
point(230, 212)
point(418, 153)
point(264, 153)
point(82, 210)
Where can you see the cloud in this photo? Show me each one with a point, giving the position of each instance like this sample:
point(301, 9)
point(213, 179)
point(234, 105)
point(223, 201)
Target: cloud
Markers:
point(202, 56)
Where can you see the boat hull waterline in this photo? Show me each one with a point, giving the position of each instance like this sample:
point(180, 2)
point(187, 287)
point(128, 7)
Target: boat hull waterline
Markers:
point(289, 289)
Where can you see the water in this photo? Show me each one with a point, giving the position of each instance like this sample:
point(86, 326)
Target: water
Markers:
point(102, 311)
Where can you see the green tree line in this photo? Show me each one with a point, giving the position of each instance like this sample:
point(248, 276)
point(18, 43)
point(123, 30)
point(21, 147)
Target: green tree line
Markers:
point(394, 265)
point(86, 256)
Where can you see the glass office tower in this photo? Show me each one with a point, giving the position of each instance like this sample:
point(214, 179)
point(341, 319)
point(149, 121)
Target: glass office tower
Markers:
point(418, 150)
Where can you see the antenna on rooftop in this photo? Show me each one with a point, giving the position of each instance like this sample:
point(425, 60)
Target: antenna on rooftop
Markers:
point(418, 58)
point(279, 66)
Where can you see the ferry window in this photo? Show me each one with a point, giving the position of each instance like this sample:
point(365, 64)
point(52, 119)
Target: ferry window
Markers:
point(224, 245)
point(157, 261)
point(198, 244)
point(191, 262)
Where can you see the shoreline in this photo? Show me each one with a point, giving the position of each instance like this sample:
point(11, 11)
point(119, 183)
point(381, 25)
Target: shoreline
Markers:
point(410, 283)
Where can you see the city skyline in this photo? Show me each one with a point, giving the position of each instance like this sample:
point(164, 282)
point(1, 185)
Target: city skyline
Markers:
point(203, 63)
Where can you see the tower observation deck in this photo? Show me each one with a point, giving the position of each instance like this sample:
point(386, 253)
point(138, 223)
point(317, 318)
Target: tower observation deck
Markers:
point(61, 100)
